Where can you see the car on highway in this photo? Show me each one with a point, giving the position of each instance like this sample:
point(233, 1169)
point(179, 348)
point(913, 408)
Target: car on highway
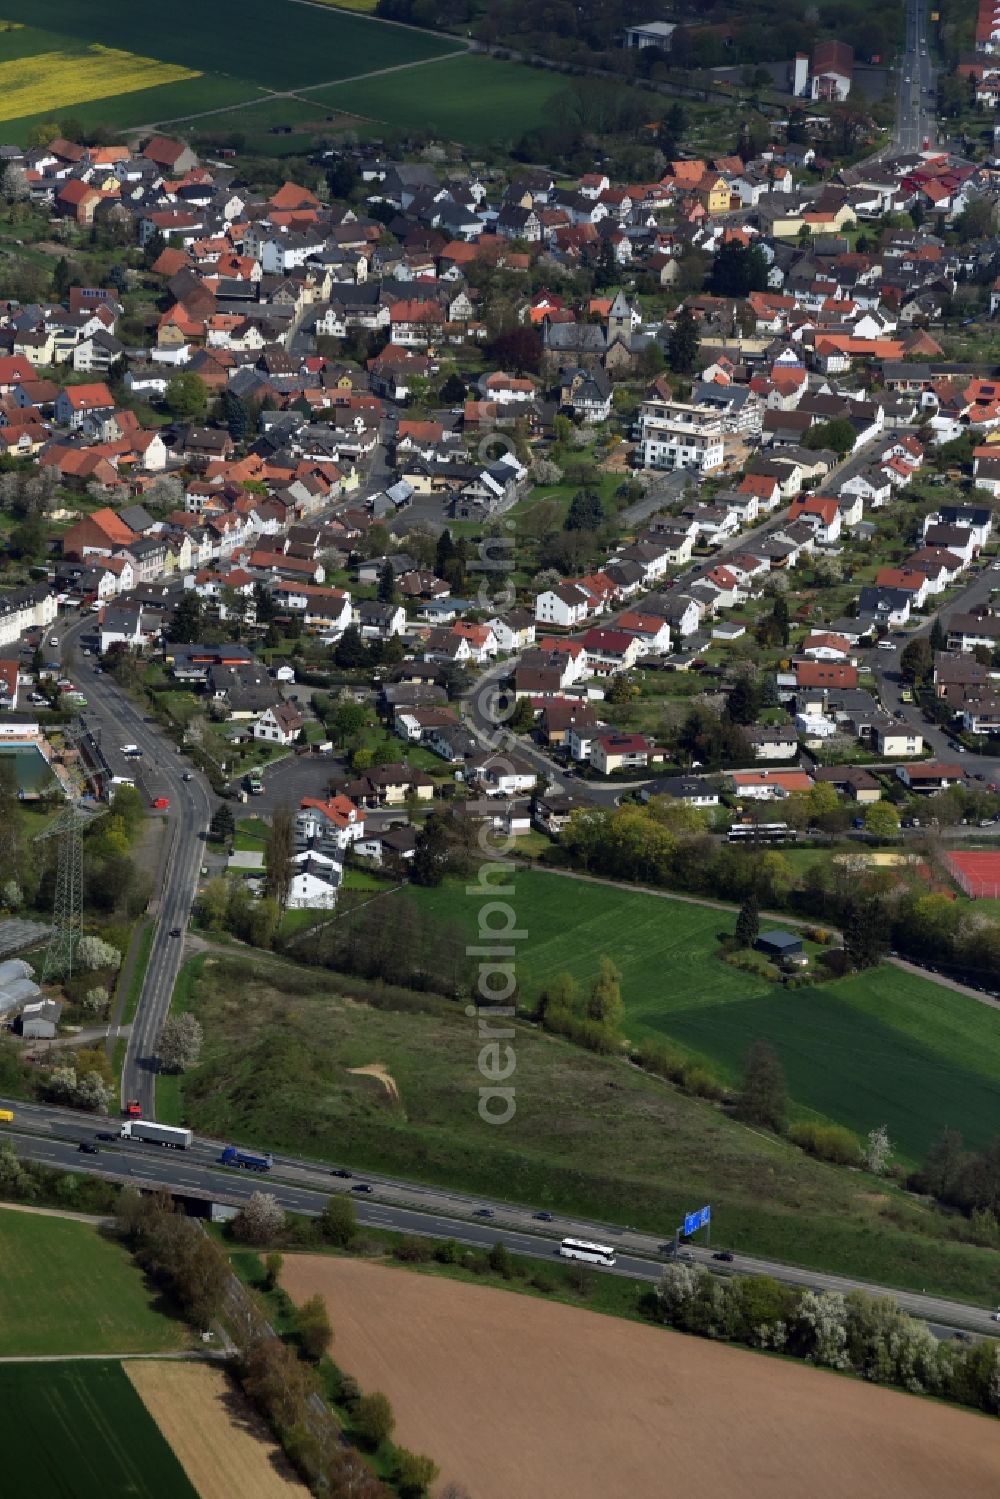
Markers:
point(542, 1217)
point(343, 1172)
point(175, 931)
point(87, 1148)
point(53, 640)
point(187, 776)
point(726, 1255)
point(995, 1316)
point(362, 1187)
point(483, 1213)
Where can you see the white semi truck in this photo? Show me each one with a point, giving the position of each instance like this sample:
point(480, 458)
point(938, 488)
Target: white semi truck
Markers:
point(156, 1134)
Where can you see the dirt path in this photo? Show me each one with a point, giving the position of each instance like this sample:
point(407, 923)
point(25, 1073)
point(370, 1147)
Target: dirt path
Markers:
point(23, 1207)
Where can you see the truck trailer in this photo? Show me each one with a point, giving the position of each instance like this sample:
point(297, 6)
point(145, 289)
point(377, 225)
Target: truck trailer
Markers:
point(247, 1160)
point(156, 1134)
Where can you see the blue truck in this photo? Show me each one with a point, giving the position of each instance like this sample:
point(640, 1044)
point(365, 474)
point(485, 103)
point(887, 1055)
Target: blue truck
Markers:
point(247, 1160)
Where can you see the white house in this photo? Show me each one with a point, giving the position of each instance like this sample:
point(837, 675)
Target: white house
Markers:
point(279, 725)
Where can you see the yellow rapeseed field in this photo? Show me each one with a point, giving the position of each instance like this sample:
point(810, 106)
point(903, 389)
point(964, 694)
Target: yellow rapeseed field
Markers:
point(53, 80)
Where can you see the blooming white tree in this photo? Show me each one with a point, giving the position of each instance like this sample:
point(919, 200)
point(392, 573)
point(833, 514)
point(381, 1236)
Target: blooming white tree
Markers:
point(94, 952)
point(259, 1220)
point(821, 1324)
point(878, 1150)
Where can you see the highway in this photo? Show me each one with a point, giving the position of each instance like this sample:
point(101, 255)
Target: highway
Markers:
point(52, 1136)
point(188, 817)
point(915, 118)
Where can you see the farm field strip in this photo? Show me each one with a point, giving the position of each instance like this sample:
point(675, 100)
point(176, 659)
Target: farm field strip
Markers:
point(222, 1445)
point(80, 1431)
point(53, 80)
point(640, 1402)
point(64, 1289)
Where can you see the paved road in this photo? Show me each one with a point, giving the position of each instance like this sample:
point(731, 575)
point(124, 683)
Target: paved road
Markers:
point(190, 812)
point(52, 1135)
point(915, 120)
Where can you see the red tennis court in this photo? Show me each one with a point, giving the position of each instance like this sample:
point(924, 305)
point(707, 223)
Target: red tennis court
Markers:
point(977, 872)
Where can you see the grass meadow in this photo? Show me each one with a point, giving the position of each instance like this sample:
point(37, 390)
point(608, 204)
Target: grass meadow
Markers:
point(590, 1135)
point(76, 1430)
point(882, 1047)
point(65, 1289)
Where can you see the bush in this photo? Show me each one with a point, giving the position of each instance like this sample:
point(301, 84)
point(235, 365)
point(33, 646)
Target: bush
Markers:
point(829, 1142)
point(373, 1419)
point(702, 1083)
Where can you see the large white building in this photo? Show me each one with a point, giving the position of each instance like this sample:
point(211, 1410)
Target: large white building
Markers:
point(650, 34)
point(678, 434)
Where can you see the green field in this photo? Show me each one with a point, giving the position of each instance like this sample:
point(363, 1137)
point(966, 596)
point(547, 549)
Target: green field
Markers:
point(238, 61)
point(80, 1431)
point(65, 1289)
point(476, 100)
point(877, 1048)
point(590, 1135)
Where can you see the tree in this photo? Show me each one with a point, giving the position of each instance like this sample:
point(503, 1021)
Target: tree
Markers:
point(373, 1419)
point(186, 623)
point(878, 1150)
point(605, 1002)
point(14, 184)
point(453, 390)
point(272, 1268)
point(500, 1261)
point(866, 932)
point(917, 660)
point(763, 1097)
point(586, 512)
point(939, 636)
point(223, 824)
point(432, 852)
point(882, 820)
point(414, 1473)
point(314, 1330)
point(94, 952)
point(339, 1221)
point(95, 1002)
point(387, 590)
point(350, 652)
point(838, 435)
point(260, 1220)
point(748, 922)
point(280, 853)
point(682, 349)
point(744, 700)
point(180, 1042)
point(236, 415)
point(348, 719)
point(186, 397)
point(738, 270)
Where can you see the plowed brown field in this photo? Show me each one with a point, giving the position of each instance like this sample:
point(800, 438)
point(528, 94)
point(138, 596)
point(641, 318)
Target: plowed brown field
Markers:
point(222, 1445)
point(517, 1396)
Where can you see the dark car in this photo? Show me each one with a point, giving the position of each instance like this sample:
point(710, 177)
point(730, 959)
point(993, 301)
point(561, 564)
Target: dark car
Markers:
point(342, 1171)
point(187, 776)
point(362, 1187)
point(543, 1217)
point(726, 1255)
point(483, 1213)
point(175, 931)
point(87, 1148)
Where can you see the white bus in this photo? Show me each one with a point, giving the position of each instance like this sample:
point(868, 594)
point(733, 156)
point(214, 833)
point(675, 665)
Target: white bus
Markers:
point(762, 832)
point(582, 1249)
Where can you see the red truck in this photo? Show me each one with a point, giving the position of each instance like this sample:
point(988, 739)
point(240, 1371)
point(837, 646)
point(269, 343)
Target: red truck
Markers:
point(161, 803)
point(133, 1108)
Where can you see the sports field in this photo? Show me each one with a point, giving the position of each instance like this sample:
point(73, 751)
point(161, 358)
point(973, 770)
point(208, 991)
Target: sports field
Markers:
point(65, 1289)
point(512, 1395)
point(199, 59)
point(78, 1430)
point(877, 1048)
